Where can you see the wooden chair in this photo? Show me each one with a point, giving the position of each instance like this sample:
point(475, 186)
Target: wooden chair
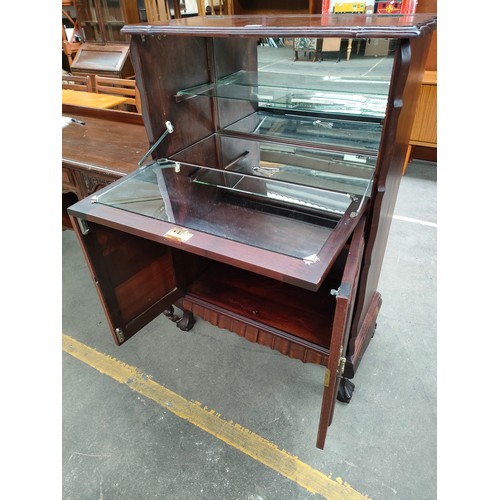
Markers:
point(219, 7)
point(77, 82)
point(120, 86)
point(156, 11)
point(350, 8)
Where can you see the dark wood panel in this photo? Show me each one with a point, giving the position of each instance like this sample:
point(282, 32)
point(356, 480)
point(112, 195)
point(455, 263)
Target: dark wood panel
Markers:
point(135, 277)
point(341, 25)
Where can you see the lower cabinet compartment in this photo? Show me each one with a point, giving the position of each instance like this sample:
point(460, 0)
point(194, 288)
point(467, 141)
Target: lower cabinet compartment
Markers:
point(138, 277)
point(294, 321)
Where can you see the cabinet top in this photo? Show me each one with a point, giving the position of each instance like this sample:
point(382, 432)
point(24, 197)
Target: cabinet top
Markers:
point(316, 25)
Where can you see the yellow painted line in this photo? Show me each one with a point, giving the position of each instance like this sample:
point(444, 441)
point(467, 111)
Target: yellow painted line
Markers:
point(231, 433)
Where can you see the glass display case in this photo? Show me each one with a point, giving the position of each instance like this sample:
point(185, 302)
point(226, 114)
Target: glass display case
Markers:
point(101, 21)
point(266, 203)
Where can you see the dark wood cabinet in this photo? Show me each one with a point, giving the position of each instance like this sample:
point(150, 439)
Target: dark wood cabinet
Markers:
point(266, 205)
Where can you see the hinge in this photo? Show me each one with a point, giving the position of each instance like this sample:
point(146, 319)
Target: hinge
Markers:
point(84, 227)
point(342, 361)
point(119, 334)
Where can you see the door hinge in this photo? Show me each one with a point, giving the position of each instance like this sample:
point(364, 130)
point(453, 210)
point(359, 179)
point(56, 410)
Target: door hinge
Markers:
point(119, 334)
point(84, 227)
point(342, 361)
point(340, 368)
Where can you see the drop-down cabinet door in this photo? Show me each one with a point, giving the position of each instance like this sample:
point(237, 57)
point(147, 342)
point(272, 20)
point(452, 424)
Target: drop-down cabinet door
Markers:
point(135, 278)
point(345, 297)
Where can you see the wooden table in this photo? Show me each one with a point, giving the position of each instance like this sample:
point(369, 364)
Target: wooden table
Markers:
point(107, 147)
point(91, 99)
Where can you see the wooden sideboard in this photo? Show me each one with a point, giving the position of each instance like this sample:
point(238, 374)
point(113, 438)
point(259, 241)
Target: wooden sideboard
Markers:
point(107, 147)
point(424, 130)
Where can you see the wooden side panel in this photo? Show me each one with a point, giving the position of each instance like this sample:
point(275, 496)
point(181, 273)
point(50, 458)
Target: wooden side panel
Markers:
point(407, 77)
point(135, 278)
point(165, 65)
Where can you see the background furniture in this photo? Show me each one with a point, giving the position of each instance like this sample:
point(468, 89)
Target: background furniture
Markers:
point(308, 45)
point(214, 225)
point(107, 147)
point(77, 82)
point(69, 46)
point(122, 87)
point(218, 7)
point(104, 49)
point(91, 99)
point(109, 60)
point(350, 8)
point(101, 20)
point(429, 151)
point(245, 7)
point(424, 130)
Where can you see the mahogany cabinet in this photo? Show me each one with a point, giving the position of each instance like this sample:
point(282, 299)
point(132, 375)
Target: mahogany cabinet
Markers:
point(266, 204)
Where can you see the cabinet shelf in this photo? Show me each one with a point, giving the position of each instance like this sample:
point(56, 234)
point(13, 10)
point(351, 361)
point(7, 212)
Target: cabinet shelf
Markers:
point(358, 137)
point(328, 177)
point(320, 94)
point(269, 305)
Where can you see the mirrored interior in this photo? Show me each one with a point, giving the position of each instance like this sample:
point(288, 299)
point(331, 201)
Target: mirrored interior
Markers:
point(293, 149)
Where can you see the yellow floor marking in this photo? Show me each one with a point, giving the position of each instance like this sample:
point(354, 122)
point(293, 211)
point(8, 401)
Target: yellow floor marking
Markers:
point(231, 433)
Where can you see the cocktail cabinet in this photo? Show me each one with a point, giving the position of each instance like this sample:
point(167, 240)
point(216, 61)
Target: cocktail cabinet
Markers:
point(265, 200)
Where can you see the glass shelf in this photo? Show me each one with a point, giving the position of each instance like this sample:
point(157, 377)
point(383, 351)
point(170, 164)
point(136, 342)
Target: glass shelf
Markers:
point(316, 94)
point(329, 133)
point(265, 213)
point(303, 166)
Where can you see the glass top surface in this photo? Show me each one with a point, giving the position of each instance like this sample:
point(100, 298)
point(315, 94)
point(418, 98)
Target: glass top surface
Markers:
point(278, 216)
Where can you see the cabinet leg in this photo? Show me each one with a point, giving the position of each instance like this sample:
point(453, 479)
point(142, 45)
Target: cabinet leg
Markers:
point(407, 158)
point(186, 322)
point(170, 314)
point(346, 388)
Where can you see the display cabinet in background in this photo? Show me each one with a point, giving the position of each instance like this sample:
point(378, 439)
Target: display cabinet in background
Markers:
point(265, 201)
point(105, 50)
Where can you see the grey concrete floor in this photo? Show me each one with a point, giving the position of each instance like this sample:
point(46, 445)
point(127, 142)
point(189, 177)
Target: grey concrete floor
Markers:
point(117, 444)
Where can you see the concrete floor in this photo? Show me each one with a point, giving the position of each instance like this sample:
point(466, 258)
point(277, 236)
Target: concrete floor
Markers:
point(118, 444)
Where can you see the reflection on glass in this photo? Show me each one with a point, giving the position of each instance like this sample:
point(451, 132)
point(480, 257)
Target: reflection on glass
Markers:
point(308, 167)
point(265, 213)
point(322, 131)
point(312, 93)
